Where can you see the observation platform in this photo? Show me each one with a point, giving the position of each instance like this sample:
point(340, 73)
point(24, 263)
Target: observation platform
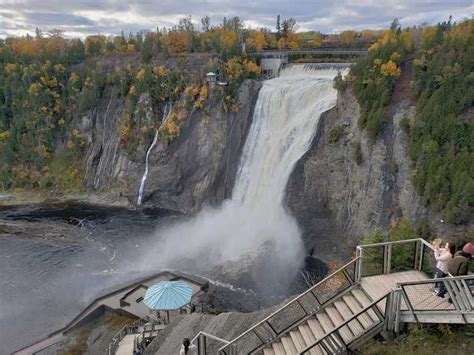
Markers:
point(387, 284)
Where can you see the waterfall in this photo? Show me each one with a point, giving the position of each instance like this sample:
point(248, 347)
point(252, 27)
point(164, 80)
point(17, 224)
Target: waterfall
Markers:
point(254, 222)
point(152, 145)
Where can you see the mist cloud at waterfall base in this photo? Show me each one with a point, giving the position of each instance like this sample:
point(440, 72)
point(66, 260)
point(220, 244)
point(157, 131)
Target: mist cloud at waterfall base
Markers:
point(237, 240)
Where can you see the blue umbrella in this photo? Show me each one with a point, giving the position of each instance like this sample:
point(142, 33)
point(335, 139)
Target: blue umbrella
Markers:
point(168, 295)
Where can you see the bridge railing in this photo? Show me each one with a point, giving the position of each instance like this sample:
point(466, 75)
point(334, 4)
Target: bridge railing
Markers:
point(294, 312)
point(326, 51)
point(395, 256)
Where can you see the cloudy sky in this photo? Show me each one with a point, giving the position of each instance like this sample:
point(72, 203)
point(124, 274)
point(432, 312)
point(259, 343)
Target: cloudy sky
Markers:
point(79, 18)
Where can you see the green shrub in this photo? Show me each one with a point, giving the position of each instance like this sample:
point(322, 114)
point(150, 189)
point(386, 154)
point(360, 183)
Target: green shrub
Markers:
point(335, 134)
point(339, 83)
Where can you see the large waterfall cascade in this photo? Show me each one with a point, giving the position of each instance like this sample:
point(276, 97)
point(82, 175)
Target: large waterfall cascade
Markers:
point(284, 124)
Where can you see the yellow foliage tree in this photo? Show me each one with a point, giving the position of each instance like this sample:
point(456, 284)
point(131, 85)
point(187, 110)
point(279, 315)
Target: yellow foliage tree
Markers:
point(34, 89)
point(390, 69)
point(260, 41)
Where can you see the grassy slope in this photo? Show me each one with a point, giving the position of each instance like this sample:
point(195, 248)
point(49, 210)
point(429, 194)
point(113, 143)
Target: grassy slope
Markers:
point(433, 340)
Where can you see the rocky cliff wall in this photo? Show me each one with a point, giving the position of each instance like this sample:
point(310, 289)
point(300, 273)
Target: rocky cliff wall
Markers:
point(197, 167)
point(337, 200)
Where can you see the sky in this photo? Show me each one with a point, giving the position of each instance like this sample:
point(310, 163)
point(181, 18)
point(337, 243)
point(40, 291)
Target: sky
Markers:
point(79, 18)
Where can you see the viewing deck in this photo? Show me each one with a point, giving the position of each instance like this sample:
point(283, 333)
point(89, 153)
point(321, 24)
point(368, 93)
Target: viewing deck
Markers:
point(387, 284)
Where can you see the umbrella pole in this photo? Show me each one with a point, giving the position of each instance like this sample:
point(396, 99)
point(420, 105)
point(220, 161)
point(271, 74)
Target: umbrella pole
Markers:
point(168, 314)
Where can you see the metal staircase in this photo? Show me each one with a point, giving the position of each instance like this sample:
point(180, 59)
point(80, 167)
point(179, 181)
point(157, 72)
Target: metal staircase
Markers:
point(385, 285)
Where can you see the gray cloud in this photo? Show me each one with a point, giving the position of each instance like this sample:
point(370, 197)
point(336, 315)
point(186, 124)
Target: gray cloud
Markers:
point(84, 17)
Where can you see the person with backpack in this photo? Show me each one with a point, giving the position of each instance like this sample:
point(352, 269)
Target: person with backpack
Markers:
point(459, 265)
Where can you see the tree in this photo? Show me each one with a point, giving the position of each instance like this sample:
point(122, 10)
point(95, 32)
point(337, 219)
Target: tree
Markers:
point(278, 28)
point(206, 24)
point(259, 41)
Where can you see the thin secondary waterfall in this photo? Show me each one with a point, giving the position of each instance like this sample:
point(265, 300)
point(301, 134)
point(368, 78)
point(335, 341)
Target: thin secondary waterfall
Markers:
point(255, 222)
point(152, 145)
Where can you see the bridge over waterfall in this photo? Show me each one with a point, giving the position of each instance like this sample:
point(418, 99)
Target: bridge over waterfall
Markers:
point(272, 60)
point(384, 286)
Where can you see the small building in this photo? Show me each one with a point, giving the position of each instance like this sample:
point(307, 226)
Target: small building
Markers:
point(211, 77)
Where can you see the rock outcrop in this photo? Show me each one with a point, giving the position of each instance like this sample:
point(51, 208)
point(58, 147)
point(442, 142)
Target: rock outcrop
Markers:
point(200, 165)
point(197, 167)
point(336, 199)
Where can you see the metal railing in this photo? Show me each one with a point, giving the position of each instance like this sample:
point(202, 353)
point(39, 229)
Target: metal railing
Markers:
point(334, 342)
point(202, 339)
point(124, 331)
point(371, 259)
point(417, 299)
point(395, 256)
point(294, 312)
point(140, 327)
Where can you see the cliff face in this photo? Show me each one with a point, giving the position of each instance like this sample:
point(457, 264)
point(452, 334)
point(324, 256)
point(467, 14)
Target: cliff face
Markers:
point(336, 200)
point(197, 167)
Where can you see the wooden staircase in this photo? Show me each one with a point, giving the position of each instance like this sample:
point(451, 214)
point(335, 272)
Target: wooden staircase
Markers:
point(325, 321)
point(373, 293)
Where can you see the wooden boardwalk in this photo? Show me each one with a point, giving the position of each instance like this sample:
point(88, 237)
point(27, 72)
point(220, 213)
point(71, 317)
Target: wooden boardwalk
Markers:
point(421, 296)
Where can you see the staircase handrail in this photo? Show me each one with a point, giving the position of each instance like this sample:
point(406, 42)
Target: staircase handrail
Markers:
point(361, 246)
point(458, 290)
point(362, 311)
point(210, 336)
point(291, 302)
point(124, 331)
point(430, 281)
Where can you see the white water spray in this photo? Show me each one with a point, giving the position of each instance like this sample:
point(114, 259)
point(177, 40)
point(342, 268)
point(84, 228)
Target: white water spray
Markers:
point(152, 145)
point(285, 121)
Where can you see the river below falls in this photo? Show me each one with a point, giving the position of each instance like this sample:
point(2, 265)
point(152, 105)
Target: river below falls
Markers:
point(55, 260)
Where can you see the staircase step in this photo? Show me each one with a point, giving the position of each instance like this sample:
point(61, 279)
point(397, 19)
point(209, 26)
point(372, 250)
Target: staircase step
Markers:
point(268, 351)
point(316, 328)
point(278, 348)
point(344, 310)
point(289, 346)
point(337, 320)
point(325, 322)
point(364, 300)
point(355, 307)
point(328, 326)
point(298, 340)
point(310, 339)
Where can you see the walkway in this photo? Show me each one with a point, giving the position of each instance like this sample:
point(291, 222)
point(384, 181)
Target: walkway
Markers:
point(318, 51)
point(127, 345)
point(372, 294)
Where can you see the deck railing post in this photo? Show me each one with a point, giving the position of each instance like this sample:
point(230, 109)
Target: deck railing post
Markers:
point(387, 262)
point(359, 253)
point(415, 262)
point(422, 247)
point(201, 344)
